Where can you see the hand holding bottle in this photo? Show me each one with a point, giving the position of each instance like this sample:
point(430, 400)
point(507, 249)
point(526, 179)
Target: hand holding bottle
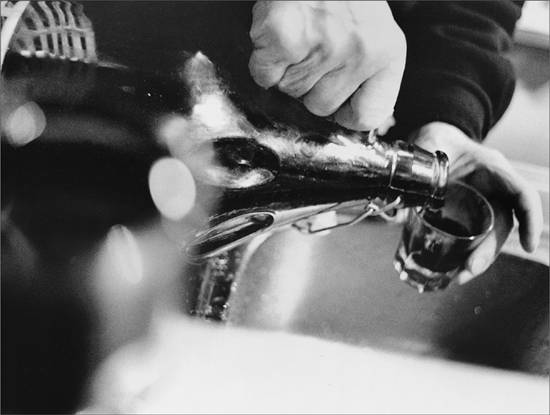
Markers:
point(344, 59)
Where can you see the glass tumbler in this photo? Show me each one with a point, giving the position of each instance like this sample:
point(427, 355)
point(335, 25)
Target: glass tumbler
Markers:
point(435, 244)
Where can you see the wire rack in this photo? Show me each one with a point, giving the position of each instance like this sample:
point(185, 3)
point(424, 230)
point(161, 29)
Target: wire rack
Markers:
point(55, 29)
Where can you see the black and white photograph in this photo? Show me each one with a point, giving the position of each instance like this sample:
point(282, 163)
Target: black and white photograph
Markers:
point(275, 207)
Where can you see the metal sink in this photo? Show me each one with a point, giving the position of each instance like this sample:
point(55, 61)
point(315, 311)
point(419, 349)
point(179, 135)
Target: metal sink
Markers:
point(343, 287)
point(62, 315)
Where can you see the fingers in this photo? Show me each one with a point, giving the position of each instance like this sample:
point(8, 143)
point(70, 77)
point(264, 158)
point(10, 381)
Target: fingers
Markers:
point(372, 104)
point(324, 94)
point(277, 33)
point(494, 175)
point(490, 172)
point(529, 214)
point(330, 92)
point(486, 253)
point(300, 78)
point(265, 70)
point(344, 59)
point(342, 92)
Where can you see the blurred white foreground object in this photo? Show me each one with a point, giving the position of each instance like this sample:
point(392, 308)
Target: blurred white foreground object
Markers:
point(190, 367)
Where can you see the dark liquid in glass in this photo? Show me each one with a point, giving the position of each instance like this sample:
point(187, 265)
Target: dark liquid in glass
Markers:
point(431, 266)
point(448, 225)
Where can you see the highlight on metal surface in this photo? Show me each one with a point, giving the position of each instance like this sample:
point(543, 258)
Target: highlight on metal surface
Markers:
point(56, 29)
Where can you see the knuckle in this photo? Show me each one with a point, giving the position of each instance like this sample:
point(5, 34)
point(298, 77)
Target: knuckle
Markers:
point(262, 75)
point(273, 25)
point(291, 47)
point(297, 83)
point(256, 31)
point(320, 107)
point(256, 71)
point(295, 90)
point(326, 49)
point(270, 33)
point(399, 41)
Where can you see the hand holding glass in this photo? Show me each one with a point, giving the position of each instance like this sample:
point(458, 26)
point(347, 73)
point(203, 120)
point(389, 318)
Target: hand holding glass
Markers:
point(435, 244)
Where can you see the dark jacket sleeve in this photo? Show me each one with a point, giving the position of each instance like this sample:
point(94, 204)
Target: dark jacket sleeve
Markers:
point(457, 71)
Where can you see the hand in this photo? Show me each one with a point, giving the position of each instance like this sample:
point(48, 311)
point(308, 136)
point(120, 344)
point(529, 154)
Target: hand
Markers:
point(492, 174)
point(342, 58)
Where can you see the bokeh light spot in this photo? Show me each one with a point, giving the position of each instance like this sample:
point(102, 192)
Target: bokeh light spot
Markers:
point(172, 188)
point(25, 124)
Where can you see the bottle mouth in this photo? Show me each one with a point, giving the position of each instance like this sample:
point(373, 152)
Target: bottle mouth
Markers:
point(419, 174)
point(441, 179)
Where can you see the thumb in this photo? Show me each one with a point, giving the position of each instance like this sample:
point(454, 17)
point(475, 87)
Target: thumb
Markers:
point(372, 104)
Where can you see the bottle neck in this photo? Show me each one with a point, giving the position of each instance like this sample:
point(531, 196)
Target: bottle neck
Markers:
point(417, 174)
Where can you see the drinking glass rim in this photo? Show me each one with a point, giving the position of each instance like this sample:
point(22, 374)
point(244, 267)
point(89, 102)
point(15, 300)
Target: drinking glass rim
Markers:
point(417, 211)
